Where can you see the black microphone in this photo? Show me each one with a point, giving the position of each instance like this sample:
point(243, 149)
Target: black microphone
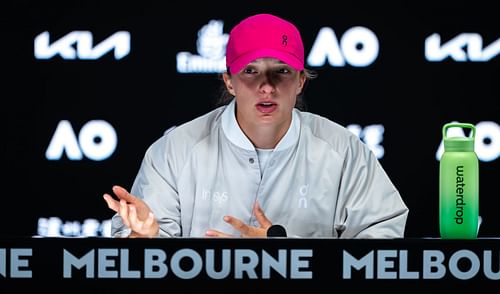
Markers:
point(276, 231)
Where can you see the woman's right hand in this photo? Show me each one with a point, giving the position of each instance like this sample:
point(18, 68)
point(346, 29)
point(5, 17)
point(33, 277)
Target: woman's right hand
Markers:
point(134, 212)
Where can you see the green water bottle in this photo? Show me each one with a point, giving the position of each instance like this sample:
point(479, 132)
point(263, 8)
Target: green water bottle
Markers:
point(458, 185)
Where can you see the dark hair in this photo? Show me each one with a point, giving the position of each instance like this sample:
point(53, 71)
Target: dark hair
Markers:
point(225, 97)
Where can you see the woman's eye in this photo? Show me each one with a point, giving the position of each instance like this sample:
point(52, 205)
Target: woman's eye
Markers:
point(248, 70)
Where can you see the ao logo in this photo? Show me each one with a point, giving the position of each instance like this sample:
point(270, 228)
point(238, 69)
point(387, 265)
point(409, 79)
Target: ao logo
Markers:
point(97, 140)
point(358, 46)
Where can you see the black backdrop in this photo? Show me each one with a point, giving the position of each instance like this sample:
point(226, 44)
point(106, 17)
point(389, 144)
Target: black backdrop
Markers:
point(142, 94)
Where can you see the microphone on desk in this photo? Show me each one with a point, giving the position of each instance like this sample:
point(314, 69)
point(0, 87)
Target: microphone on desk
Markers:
point(276, 231)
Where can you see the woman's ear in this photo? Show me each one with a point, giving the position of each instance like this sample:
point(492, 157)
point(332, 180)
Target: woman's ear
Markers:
point(228, 82)
point(302, 82)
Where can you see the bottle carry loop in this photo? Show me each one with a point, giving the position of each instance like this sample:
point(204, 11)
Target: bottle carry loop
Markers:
point(459, 125)
point(461, 142)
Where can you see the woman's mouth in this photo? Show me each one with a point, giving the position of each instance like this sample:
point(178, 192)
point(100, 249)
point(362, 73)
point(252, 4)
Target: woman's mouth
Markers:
point(266, 107)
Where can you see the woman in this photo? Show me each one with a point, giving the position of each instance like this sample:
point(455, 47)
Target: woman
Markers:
point(258, 161)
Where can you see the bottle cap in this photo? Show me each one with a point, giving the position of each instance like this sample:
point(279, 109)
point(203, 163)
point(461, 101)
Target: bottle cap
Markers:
point(459, 143)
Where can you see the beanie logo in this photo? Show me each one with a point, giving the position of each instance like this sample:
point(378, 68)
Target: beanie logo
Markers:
point(284, 40)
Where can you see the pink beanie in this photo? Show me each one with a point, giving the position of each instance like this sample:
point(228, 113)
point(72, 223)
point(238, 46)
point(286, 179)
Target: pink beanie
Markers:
point(264, 35)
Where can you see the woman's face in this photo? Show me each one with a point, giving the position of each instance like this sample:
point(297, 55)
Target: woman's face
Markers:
point(266, 91)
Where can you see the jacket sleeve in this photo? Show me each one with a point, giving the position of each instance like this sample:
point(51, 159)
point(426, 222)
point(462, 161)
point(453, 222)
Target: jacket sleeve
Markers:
point(370, 206)
point(155, 183)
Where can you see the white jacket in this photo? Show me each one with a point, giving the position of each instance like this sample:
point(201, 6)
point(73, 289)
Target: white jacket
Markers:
point(320, 181)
